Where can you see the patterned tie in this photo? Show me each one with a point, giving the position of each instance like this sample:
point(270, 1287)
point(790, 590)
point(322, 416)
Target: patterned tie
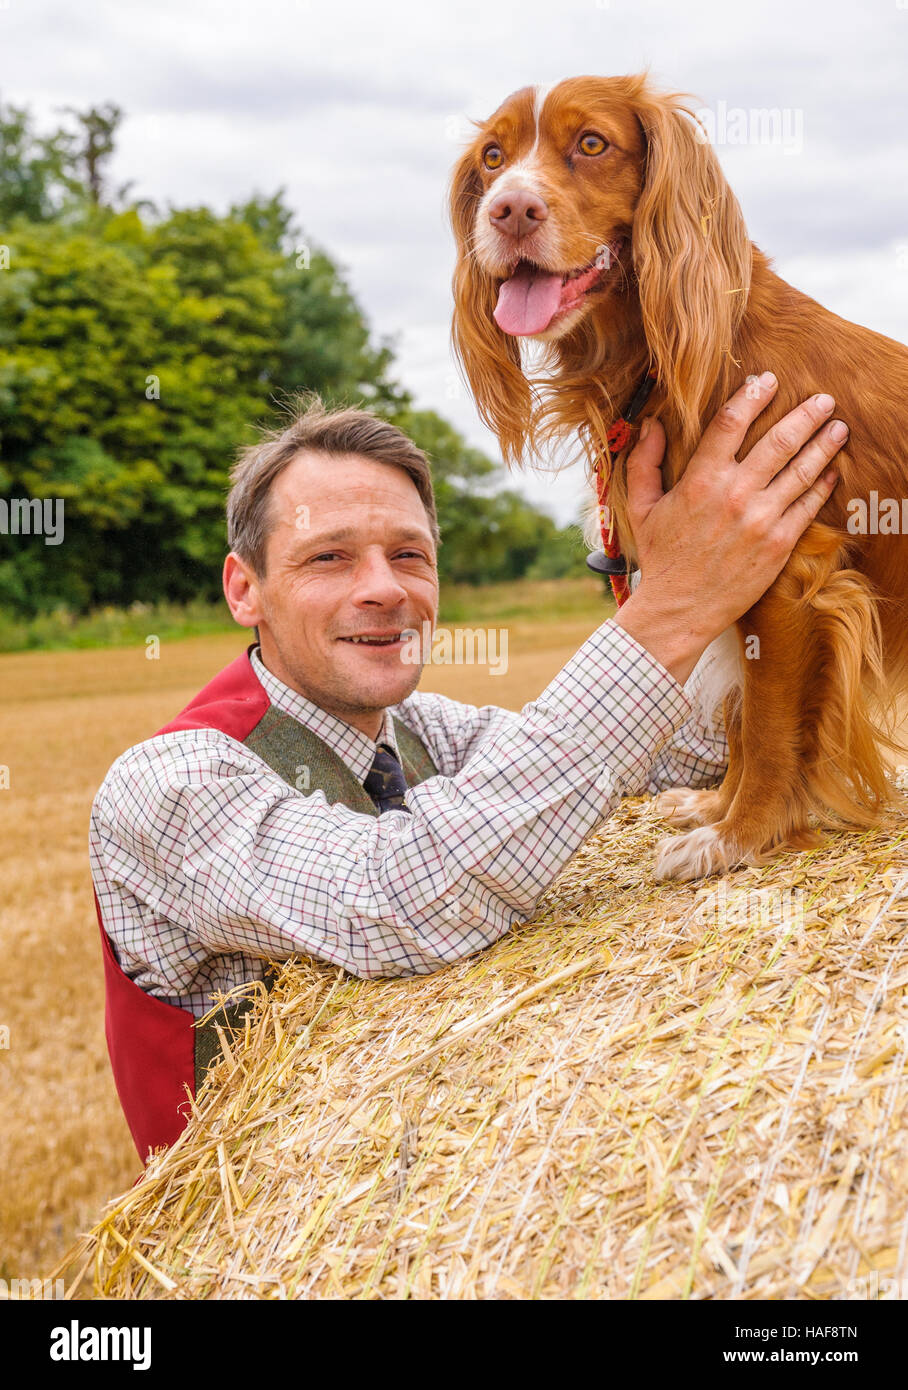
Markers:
point(385, 781)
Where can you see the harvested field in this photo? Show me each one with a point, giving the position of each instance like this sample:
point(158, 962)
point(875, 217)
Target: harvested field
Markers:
point(650, 1091)
point(65, 716)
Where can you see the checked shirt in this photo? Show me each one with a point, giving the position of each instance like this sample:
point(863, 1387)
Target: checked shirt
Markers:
point(207, 864)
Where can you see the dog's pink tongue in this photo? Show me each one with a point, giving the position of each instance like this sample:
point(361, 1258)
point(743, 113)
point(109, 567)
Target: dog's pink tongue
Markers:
point(527, 302)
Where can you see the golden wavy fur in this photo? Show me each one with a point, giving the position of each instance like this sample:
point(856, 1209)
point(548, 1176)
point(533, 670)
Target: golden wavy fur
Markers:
point(687, 295)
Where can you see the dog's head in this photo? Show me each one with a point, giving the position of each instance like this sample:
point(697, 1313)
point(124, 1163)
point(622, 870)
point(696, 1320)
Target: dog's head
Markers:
point(593, 218)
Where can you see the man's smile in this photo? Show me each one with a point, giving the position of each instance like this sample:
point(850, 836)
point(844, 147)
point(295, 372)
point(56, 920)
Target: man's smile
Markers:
point(384, 640)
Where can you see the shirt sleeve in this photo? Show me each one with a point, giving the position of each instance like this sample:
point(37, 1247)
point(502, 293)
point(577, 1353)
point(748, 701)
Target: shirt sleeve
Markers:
point(214, 853)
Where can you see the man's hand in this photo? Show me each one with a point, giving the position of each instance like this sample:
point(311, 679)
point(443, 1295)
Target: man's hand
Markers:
point(711, 547)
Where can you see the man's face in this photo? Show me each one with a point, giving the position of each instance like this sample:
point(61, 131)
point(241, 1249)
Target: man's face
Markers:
point(349, 554)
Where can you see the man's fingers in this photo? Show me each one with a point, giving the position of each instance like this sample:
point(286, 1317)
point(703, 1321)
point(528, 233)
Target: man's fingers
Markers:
point(725, 432)
point(800, 475)
point(802, 511)
point(781, 443)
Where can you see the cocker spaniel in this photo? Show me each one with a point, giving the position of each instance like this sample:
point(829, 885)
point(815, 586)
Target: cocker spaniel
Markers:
point(593, 220)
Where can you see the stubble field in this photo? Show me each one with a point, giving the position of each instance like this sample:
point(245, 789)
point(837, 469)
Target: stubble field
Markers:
point(65, 716)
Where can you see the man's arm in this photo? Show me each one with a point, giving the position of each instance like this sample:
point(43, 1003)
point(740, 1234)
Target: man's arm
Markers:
point(200, 849)
point(696, 755)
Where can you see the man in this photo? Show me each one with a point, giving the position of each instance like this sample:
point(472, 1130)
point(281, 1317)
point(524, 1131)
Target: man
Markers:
point(308, 801)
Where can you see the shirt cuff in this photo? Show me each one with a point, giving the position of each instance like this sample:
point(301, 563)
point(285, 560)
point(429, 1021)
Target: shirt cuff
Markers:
point(620, 700)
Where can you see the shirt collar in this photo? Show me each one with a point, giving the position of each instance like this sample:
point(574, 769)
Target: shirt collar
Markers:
point(352, 746)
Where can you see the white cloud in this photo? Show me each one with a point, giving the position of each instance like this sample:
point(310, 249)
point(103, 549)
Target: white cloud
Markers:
point(350, 107)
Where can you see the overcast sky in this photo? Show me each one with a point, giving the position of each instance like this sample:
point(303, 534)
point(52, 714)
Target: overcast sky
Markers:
point(359, 109)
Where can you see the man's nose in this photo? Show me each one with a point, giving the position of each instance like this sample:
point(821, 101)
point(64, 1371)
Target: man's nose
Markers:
point(376, 582)
point(518, 213)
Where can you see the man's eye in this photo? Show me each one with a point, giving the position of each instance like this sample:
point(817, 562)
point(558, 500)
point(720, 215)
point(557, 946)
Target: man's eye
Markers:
point(327, 555)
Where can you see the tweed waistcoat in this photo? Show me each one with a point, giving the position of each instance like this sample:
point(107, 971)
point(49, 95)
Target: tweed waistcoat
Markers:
point(157, 1051)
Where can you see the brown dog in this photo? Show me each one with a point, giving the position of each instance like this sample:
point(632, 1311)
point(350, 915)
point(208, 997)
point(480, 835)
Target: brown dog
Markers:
point(595, 220)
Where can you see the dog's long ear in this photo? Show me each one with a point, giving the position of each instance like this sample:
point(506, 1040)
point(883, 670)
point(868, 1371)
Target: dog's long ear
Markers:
point(490, 358)
point(692, 258)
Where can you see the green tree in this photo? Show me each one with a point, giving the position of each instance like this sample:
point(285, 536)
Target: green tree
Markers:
point(325, 343)
point(96, 140)
point(38, 173)
point(137, 355)
point(132, 365)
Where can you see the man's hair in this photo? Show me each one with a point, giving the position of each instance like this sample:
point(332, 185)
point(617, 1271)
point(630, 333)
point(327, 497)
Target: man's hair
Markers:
point(321, 431)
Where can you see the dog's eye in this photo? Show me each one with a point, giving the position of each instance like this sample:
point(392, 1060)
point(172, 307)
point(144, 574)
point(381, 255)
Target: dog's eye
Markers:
point(492, 157)
point(591, 143)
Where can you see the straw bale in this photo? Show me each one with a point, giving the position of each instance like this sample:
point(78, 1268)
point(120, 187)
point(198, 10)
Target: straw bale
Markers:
point(652, 1090)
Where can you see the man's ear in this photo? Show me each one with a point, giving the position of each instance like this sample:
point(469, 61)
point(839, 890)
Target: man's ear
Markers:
point(241, 590)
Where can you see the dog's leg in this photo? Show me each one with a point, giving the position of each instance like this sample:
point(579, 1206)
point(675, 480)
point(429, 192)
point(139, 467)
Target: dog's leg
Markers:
point(682, 807)
point(807, 739)
point(759, 804)
point(717, 686)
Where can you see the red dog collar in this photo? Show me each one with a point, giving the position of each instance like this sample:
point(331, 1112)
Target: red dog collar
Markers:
point(609, 559)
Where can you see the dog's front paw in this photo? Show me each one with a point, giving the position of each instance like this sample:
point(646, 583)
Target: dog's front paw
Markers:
point(694, 855)
point(682, 806)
